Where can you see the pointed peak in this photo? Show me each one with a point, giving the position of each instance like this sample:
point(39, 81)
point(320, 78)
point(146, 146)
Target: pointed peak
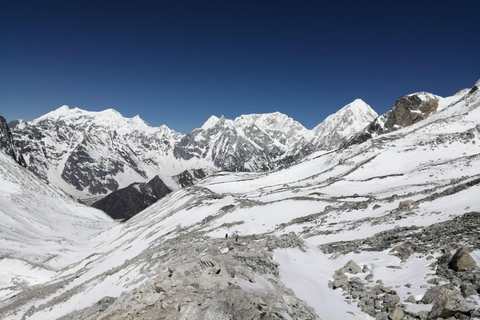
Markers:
point(63, 108)
point(357, 103)
point(212, 121)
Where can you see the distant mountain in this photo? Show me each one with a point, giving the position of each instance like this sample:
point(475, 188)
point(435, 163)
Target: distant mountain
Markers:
point(345, 123)
point(90, 154)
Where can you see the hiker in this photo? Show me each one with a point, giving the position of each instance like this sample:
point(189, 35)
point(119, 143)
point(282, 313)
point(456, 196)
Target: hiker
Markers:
point(236, 237)
point(226, 236)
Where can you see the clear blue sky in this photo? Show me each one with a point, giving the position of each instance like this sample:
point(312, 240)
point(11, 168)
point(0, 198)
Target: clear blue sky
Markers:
point(178, 62)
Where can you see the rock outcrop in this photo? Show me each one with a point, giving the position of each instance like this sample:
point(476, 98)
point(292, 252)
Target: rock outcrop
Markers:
point(7, 144)
point(462, 261)
point(127, 202)
point(406, 111)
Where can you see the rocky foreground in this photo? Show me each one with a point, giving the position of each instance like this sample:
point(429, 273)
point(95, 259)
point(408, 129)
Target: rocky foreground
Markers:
point(457, 276)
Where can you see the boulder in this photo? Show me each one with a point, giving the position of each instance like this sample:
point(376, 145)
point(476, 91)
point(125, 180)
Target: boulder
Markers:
point(448, 304)
point(462, 261)
point(405, 204)
point(397, 314)
point(350, 267)
point(432, 294)
point(402, 251)
point(390, 300)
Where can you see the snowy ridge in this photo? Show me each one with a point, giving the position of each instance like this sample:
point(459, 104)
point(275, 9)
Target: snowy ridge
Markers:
point(89, 154)
point(396, 205)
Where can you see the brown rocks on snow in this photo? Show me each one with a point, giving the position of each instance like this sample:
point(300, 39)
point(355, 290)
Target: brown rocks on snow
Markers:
point(449, 303)
point(405, 204)
point(350, 267)
point(397, 314)
point(462, 261)
point(402, 251)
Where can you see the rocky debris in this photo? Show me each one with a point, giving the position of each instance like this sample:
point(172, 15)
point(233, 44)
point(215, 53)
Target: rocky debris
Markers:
point(462, 261)
point(461, 230)
point(184, 279)
point(379, 301)
point(127, 202)
point(439, 240)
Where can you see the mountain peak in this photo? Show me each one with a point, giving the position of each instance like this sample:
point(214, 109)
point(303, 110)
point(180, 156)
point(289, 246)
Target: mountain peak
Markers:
point(212, 121)
point(55, 113)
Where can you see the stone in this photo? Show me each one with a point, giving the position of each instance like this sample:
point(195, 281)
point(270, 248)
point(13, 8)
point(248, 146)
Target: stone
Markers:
point(397, 314)
point(340, 276)
point(390, 300)
point(468, 289)
point(158, 287)
point(411, 299)
point(423, 315)
point(340, 284)
point(448, 304)
point(151, 299)
point(350, 267)
point(405, 204)
point(402, 251)
point(462, 261)
point(381, 316)
point(433, 281)
point(432, 293)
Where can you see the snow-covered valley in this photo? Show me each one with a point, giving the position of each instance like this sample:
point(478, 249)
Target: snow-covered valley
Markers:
point(398, 205)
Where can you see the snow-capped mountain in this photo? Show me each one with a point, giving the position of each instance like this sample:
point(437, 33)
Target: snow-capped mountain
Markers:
point(386, 229)
point(343, 124)
point(90, 154)
point(248, 143)
point(93, 153)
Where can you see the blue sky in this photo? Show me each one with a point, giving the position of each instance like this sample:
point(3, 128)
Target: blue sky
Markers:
point(178, 62)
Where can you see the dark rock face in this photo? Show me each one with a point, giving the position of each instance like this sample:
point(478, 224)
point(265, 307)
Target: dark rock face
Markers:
point(187, 178)
point(405, 112)
point(127, 202)
point(7, 143)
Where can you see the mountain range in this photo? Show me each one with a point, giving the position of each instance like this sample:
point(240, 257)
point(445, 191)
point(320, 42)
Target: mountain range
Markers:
point(90, 154)
point(384, 228)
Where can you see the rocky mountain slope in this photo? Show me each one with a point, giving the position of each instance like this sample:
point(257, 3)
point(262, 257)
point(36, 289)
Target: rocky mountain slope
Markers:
point(90, 154)
point(7, 144)
point(126, 202)
point(386, 229)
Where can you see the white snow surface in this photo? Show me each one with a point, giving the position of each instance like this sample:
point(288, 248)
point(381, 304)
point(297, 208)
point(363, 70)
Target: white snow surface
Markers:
point(45, 236)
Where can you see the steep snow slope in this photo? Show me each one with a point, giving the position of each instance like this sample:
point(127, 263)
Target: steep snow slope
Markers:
point(297, 226)
point(41, 229)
